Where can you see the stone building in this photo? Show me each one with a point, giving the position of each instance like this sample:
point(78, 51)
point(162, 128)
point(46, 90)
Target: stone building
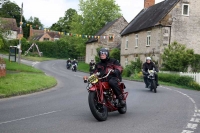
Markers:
point(158, 25)
point(9, 28)
point(43, 35)
point(107, 37)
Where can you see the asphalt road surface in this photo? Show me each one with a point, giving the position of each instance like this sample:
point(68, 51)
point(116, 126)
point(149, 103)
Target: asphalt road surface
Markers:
point(64, 108)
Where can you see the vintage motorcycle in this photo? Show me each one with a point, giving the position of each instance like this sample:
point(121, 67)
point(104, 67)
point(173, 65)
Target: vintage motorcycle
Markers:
point(151, 81)
point(68, 65)
point(92, 69)
point(101, 97)
point(74, 67)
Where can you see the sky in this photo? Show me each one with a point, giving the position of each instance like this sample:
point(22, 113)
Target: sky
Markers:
point(49, 11)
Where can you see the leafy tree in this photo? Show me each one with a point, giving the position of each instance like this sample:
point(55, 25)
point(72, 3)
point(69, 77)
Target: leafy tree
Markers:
point(11, 10)
point(177, 58)
point(63, 24)
point(94, 15)
point(115, 53)
point(196, 63)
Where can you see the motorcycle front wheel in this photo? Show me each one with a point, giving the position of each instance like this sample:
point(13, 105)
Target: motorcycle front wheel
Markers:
point(99, 111)
point(153, 86)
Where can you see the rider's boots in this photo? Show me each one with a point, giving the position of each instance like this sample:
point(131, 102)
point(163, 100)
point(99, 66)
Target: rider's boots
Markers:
point(121, 100)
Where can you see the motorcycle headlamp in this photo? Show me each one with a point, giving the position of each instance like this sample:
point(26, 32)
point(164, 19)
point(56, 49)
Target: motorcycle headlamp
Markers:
point(93, 79)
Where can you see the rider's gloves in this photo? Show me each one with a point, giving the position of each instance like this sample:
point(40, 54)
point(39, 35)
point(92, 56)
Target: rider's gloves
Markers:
point(116, 72)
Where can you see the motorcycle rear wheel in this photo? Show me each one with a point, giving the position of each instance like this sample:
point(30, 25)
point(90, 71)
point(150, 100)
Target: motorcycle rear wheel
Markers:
point(99, 111)
point(122, 110)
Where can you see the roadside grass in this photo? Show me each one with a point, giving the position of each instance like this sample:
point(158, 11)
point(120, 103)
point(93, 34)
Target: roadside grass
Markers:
point(35, 58)
point(23, 79)
point(24, 83)
point(84, 67)
point(14, 66)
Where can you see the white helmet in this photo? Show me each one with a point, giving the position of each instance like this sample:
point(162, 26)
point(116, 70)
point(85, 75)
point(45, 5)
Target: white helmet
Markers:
point(148, 58)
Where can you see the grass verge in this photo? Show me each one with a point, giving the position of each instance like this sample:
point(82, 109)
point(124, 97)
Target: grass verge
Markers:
point(23, 83)
point(22, 79)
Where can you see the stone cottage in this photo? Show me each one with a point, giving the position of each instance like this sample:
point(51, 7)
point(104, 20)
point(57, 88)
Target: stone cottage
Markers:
point(43, 35)
point(108, 37)
point(158, 25)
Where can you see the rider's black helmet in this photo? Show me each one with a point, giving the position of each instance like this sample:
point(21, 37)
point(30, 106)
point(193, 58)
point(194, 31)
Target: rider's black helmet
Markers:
point(104, 51)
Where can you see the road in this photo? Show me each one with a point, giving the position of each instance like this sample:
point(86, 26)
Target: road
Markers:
point(64, 108)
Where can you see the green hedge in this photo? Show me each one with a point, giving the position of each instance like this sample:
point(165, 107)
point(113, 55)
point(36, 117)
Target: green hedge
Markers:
point(179, 80)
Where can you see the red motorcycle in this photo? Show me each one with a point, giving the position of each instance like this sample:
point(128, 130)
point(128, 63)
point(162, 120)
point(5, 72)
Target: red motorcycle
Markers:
point(102, 98)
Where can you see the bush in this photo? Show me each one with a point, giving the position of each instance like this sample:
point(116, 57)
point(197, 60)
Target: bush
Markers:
point(179, 80)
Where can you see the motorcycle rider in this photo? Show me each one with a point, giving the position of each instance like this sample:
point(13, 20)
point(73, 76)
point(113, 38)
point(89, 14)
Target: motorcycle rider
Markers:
point(114, 78)
point(69, 61)
point(149, 65)
point(74, 62)
point(92, 66)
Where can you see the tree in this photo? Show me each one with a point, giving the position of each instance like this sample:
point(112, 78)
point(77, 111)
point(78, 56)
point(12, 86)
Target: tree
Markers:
point(63, 24)
point(177, 58)
point(11, 10)
point(115, 53)
point(94, 15)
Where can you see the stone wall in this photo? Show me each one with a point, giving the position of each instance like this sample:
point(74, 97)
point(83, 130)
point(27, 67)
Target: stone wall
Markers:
point(2, 67)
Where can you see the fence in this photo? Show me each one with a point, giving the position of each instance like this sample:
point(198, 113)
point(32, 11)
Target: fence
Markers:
point(81, 59)
point(195, 76)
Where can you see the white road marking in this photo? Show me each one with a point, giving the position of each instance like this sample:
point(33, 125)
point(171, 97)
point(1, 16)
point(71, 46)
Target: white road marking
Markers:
point(197, 120)
point(187, 131)
point(192, 126)
point(29, 117)
point(34, 63)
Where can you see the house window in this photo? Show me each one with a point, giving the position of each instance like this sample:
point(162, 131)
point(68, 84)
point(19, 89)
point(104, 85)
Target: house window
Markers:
point(46, 39)
point(185, 9)
point(148, 38)
point(136, 40)
point(126, 44)
point(126, 61)
point(111, 38)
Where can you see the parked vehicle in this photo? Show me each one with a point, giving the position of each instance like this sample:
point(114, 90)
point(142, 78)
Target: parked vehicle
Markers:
point(101, 97)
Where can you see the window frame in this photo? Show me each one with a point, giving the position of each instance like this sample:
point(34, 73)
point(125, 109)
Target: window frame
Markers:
point(148, 40)
point(126, 61)
point(126, 43)
point(188, 10)
point(136, 40)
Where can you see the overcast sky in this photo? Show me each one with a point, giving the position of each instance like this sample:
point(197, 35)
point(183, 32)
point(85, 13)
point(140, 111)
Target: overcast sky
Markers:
point(49, 11)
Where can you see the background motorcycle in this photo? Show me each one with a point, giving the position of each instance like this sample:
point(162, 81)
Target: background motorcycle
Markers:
point(101, 97)
point(74, 67)
point(92, 69)
point(151, 80)
point(68, 65)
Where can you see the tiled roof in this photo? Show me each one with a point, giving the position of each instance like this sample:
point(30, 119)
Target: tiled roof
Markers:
point(9, 24)
point(54, 34)
point(100, 32)
point(149, 17)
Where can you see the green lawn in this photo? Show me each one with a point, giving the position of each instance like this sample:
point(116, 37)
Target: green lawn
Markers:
point(23, 79)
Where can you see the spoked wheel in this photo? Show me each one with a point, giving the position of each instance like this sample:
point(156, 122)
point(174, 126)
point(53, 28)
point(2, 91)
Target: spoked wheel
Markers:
point(122, 110)
point(153, 86)
point(99, 111)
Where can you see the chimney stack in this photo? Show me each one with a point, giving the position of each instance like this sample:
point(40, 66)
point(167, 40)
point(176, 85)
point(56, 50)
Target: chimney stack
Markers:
point(148, 3)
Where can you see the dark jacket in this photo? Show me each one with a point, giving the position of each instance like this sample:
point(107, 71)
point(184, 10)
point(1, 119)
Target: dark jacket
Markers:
point(104, 66)
point(149, 66)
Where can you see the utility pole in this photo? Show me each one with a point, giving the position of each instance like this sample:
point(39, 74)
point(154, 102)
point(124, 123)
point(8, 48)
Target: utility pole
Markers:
point(20, 36)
